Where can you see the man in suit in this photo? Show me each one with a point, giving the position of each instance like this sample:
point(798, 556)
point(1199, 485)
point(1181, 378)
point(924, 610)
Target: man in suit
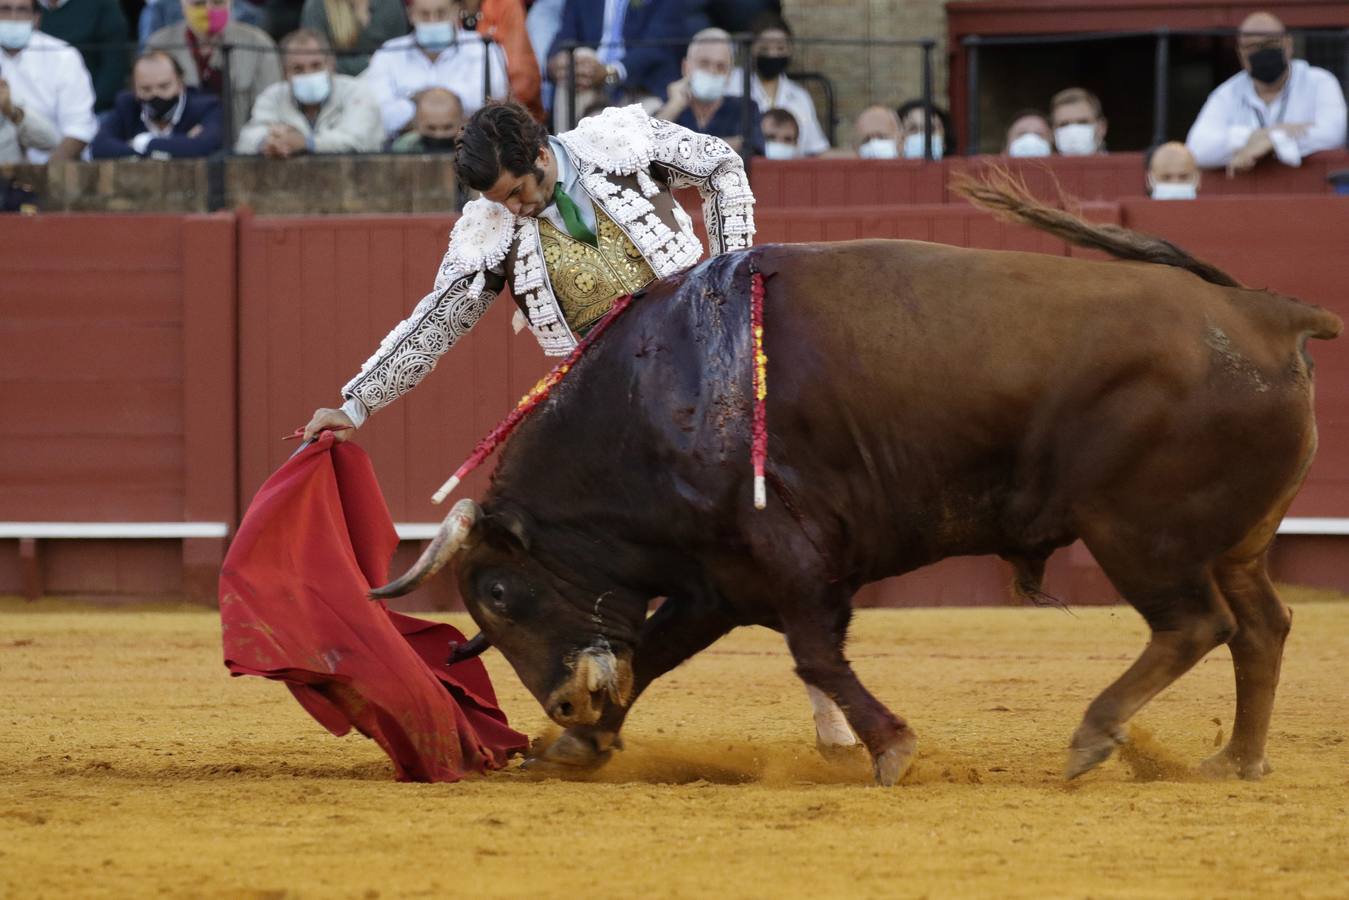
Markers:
point(161, 118)
point(606, 62)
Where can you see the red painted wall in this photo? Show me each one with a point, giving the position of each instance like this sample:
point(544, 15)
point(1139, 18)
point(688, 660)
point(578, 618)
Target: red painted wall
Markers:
point(129, 395)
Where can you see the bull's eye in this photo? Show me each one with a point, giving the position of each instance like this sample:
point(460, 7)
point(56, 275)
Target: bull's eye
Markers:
point(497, 591)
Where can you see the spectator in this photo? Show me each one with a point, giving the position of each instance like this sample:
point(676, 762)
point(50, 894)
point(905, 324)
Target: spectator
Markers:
point(281, 17)
point(604, 28)
point(503, 22)
point(97, 28)
point(437, 54)
point(735, 16)
point(1029, 135)
point(207, 43)
point(435, 127)
point(47, 77)
point(781, 133)
point(315, 110)
point(770, 87)
point(161, 117)
point(698, 101)
point(543, 22)
point(1173, 173)
point(1079, 125)
point(1275, 103)
point(21, 129)
point(355, 28)
point(877, 133)
point(157, 14)
point(912, 127)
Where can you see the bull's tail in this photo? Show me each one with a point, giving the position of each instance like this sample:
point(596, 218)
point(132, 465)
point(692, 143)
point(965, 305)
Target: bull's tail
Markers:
point(1008, 198)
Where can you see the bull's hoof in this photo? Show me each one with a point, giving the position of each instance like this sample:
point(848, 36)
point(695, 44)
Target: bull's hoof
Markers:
point(1225, 764)
point(840, 753)
point(891, 763)
point(1090, 750)
point(578, 748)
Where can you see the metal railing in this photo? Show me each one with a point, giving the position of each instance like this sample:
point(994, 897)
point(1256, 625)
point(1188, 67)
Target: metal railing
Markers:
point(1161, 94)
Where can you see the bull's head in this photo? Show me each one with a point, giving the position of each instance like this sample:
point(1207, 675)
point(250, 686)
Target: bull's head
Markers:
point(571, 650)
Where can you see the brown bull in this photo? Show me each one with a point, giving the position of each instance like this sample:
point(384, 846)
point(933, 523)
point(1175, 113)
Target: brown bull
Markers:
point(925, 402)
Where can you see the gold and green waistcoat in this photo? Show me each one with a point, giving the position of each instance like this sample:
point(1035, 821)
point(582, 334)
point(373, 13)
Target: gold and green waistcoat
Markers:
point(587, 280)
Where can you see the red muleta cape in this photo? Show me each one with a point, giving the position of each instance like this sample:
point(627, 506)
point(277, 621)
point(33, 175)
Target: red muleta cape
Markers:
point(293, 608)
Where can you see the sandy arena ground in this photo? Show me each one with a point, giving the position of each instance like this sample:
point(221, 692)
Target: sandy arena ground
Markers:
point(132, 765)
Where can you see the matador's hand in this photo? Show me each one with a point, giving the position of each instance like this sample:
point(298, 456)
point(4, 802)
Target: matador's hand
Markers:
point(330, 418)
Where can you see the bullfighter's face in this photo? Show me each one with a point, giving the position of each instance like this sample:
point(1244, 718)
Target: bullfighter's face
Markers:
point(573, 654)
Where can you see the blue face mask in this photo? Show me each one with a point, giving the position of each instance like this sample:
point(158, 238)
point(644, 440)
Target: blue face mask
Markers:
point(311, 88)
point(15, 35)
point(435, 35)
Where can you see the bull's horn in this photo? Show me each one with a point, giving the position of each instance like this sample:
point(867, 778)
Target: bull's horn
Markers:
point(451, 536)
point(469, 649)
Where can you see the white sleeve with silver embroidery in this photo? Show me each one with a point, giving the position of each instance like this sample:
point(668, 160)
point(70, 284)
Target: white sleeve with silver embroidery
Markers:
point(717, 171)
point(416, 344)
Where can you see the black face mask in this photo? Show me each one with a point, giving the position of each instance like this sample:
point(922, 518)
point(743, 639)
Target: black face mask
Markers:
point(1268, 64)
point(437, 144)
point(159, 108)
point(770, 67)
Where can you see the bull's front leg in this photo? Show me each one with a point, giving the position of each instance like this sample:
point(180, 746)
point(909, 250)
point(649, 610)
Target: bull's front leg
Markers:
point(817, 648)
point(680, 628)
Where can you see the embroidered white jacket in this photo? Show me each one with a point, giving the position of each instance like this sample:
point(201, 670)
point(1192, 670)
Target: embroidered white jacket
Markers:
point(624, 157)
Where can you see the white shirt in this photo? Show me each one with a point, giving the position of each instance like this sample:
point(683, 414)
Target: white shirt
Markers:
point(1234, 111)
point(792, 97)
point(48, 76)
point(400, 69)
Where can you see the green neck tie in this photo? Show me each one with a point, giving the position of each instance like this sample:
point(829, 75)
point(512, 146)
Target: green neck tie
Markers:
point(571, 214)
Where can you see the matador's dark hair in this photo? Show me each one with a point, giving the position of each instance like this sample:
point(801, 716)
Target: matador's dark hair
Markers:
point(500, 135)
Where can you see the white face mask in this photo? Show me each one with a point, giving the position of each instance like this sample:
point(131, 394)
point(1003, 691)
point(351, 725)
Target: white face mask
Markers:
point(311, 88)
point(879, 148)
point(707, 86)
point(1075, 140)
point(1175, 190)
point(779, 150)
point(15, 35)
point(913, 146)
point(1029, 145)
point(435, 36)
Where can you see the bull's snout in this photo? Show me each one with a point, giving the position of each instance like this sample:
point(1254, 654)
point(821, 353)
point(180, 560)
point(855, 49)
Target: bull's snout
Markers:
point(597, 678)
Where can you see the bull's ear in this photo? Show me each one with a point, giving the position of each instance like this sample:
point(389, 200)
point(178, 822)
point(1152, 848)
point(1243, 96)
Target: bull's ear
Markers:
point(510, 526)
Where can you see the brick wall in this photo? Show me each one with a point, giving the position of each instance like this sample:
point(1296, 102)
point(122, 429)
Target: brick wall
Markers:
point(863, 76)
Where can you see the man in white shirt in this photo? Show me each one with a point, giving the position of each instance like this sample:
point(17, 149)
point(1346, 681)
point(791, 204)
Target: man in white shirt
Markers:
point(315, 110)
point(1274, 104)
point(437, 54)
point(47, 76)
point(770, 88)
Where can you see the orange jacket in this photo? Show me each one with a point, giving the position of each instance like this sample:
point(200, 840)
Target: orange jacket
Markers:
point(504, 22)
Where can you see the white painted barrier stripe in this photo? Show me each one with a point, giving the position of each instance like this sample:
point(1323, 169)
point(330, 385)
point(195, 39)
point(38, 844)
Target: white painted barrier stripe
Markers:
point(407, 531)
point(424, 531)
point(113, 530)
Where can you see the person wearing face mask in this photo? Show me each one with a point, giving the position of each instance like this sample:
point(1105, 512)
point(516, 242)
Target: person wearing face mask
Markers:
point(911, 123)
point(161, 118)
point(1029, 135)
point(1275, 104)
point(315, 110)
point(1079, 126)
point(782, 135)
point(207, 43)
point(438, 53)
point(699, 101)
point(46, 77)
point(770, 88)
point(877, 133)
point(435, 128)
point(1172, 173)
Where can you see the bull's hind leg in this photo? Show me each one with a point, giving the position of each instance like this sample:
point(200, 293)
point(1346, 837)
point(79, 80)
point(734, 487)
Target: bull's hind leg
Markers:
point(1263, 623)
point(817, 649)
point(1188, 619)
